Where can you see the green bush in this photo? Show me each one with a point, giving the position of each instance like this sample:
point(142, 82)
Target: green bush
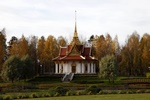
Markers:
point(93, 89)
point(104, 92)
point(46, 95)
point(129, 92)
point(100, 92)
point(20, 96)
point(14, 96)
point(7, 97)
point(77, 93)
point(60, 90)
point(25, 96)
point(39, 94)
point(147, 91)
point(121, 92)
point(82, 93)
point(34, 95)
point(1, 97)
point(140, 91)
point(148, 75)
point(71, 93)
point(112, 92)
point(56, 94)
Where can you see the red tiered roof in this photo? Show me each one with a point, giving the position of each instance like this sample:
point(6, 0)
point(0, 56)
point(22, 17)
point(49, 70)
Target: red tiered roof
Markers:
point(64, 55)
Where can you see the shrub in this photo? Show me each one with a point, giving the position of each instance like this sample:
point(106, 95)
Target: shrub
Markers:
point(93, 89)
point(8, 97)
point(39, 94)
point(140, 91)
point(46, 95)
point(100, 92)
point(77, 93)
point(82, 93)
point(104, 92)
point(129, 92)
point(71, 93)
point(34, 95)
point(147, 91)
point(20, 96)
point(25, 96)
point(113, 92)
point(14, 96)
point(148, 75)
point(56, 94)
point(121, 92)
point(60, 90)
point(1, 97)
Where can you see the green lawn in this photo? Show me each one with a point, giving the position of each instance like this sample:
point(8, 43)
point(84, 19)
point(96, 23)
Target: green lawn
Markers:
point(100, 97)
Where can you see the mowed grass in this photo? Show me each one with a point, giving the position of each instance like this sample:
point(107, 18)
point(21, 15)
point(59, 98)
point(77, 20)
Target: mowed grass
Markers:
point(100, 97)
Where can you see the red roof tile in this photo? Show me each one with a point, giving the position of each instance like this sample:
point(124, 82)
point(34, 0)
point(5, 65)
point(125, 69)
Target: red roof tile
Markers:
point(63, 51)
point(86, 51)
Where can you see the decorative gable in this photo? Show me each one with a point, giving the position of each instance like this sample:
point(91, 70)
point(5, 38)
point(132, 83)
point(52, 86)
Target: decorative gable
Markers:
point(74, 51)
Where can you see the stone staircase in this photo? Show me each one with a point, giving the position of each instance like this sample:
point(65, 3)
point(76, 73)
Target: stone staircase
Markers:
point(68, 77)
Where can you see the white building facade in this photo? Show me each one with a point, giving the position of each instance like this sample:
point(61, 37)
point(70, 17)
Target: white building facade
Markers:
point(77, 67)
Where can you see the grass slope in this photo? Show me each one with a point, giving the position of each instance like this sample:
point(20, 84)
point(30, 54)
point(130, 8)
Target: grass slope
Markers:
point(100, 97)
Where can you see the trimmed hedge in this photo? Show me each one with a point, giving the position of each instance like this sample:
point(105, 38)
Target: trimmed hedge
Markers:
point(87, 82)
point(148, 75)
point(58, 91)
point(93, 89)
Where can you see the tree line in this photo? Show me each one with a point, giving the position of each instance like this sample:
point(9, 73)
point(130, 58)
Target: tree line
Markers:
point(132, 58)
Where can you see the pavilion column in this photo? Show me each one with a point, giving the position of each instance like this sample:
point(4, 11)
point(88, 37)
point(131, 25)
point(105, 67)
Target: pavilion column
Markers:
point(67, 67)
point(59, 68)
point(83, 67)
point(56, 68)
point(92, 69)
point(64, 68)
point(80, 67)
point(88, 67)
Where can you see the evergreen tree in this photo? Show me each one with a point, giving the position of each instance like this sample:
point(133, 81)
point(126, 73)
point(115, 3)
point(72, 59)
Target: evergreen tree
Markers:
point(3, 53)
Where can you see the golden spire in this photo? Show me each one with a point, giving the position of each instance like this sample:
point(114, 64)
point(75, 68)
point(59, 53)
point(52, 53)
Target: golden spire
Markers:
point(75, 30)
point(75, 39)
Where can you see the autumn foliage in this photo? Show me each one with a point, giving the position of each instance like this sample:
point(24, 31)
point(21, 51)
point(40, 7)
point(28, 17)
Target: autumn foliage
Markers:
point(132, 58)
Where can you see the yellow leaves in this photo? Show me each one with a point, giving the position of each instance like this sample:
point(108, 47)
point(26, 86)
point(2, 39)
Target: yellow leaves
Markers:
point(48, 49)
point(20, 47)
point(40, 49)
point(104, 46)
point(146, 54)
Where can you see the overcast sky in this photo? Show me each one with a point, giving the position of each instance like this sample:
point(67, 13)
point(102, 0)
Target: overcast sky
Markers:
point(56, 17)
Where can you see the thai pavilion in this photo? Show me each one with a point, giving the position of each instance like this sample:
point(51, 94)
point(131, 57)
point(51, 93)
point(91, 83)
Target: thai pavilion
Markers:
point(75, 58)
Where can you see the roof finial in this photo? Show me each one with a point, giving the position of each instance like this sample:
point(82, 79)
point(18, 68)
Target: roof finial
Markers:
point(75, 15)
point(75, 31)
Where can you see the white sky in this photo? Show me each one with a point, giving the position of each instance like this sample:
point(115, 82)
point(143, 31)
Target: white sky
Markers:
point(56, 17)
